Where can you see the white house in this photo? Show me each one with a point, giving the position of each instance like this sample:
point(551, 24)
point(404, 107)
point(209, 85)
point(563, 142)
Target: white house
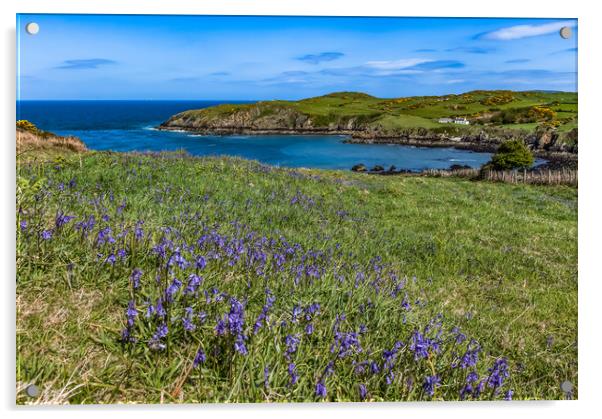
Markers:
point(461, 121)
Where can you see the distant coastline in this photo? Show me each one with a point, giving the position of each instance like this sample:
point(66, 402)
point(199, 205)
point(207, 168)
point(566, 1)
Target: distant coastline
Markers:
point(533, 116)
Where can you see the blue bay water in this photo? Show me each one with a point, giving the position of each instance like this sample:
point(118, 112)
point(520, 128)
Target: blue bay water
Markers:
point(129, 126)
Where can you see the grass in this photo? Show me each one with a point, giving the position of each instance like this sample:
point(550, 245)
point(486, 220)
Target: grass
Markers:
point(411, 112)
point(498, 261)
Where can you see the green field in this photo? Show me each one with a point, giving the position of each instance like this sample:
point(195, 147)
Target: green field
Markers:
point(389, 260)
point(393, 115)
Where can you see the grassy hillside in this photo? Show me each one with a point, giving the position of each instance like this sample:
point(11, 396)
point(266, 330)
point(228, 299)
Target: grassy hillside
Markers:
point(502, 109)
point(166, 278)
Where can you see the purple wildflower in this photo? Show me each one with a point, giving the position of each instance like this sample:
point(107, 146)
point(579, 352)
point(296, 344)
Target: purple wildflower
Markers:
point(105, 236)
point(131, 313)
point(162, 331)
point(200, 262)
point(135, 278)
point(62, 219)
point(189, 326)
point(173, 288)
point(194, 281)
point(345, 344)
point(321, 389)
point(363, 392)
point(471, 356)
point(292, 372)
point(466, 390)
point(476, 392)
point(419, 345)
point(220, 327)
point(291, 341)
point(111, 259)
point(239, 345)
point(47, 234)
point(472, 377)
point(138, 231)
point(430, 383)
point(498, 373)
point(199, 358)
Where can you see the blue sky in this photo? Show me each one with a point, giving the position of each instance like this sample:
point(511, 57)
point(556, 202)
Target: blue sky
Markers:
point(248, 58)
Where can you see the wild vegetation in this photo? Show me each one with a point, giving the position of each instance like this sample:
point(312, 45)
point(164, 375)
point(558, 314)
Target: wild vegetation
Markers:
point(31, 139)
point(512, 154)
point(499, 114)
point(167, 278)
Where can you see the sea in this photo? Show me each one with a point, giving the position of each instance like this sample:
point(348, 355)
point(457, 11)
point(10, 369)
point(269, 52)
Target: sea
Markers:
point(131, 126)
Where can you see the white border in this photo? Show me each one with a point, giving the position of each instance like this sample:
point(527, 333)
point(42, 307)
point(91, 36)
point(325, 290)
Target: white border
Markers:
point(590, 99)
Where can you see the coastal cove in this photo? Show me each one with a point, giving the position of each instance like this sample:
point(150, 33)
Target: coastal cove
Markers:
point(130, 126)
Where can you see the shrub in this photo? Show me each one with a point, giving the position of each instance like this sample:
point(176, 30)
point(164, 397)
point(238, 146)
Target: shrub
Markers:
point(27, 126)
point(512, 154)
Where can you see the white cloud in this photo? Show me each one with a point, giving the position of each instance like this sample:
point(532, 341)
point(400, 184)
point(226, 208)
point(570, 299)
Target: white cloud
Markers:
point(396, 64)
point(526, 31)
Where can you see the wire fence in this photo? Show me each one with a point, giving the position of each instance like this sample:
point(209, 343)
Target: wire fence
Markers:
point(536, 177)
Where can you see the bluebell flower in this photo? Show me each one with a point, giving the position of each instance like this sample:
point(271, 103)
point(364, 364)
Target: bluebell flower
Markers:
point(111, 259)
point(345, 344)
point(160, 309)
point(105, 236)
point(329, 370)
point(150, 310)
point(292, 372)
point(189, 326)
point(498, 373)
point(430, 383)
point(471, 356)
point(239, 345)
point(508, 395)
point(135, 278)
point(363, 392)
point(419, 345)
point(200, 262)
point(23, 225)
point(374, 368)
point(236, 317)
point(472, 377)
point(173, 288)
point(296, 313)
point(478, 389)
point(220, 327)
point(199, 358)
point(126, 335)
point(194, 281)
point(138, 231)
point(162, 331)
point(291, 341)
point(321, 389)
point(131, 313)
point(47, 234)
point(465, 391)
point(62, 219)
